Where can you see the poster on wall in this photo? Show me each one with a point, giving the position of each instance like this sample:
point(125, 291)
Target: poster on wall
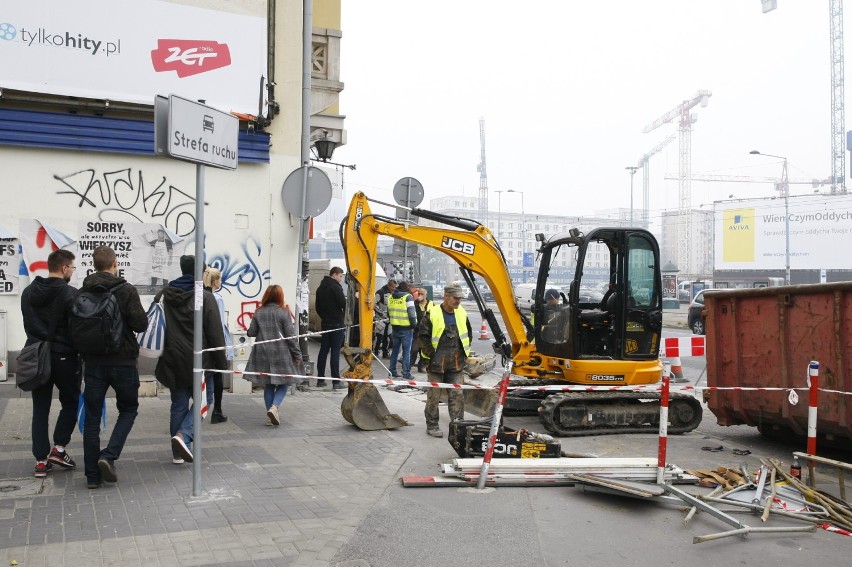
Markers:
point(10, 261)
point(148, 255)
point(38, 240)
point(132, 51)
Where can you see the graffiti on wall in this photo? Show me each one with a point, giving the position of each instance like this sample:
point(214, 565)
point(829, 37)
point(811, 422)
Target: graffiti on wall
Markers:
point(242, 276)
point(123, 195)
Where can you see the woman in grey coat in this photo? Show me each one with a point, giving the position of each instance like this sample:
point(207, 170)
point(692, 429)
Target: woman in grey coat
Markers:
point(273, 322)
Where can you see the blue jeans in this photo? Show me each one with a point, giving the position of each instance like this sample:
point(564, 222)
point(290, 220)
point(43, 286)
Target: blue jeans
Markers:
point(181, 415)
point(124, 380)
point(402, 337)
point(273, 394)
point(332, 341)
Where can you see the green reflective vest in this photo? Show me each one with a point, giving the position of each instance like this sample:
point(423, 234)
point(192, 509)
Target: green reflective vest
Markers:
point(437, 317)
point(398, 312)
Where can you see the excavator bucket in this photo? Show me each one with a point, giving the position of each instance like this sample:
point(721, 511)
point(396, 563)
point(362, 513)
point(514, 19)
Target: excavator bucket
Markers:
point(363, 406)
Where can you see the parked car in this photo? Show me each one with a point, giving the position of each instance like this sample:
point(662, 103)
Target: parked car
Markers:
point(695, 318)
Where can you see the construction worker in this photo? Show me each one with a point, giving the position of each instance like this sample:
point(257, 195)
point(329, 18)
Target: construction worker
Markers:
point(444, 335)
point(422, 305)
point(403, 319)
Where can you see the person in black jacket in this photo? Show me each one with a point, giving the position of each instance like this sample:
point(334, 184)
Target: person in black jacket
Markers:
point(174, 368)
point(331, 305)
point(46, 302)
point(117, 371)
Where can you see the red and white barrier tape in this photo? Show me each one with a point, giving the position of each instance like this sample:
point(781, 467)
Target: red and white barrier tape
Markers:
point(830, 528)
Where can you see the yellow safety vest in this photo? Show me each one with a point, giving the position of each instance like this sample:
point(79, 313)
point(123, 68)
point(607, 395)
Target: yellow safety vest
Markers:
point(398, 312)
point(437, 317)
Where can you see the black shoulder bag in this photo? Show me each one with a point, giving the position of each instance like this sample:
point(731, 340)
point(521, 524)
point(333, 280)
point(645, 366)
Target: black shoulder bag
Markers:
point(34, 360)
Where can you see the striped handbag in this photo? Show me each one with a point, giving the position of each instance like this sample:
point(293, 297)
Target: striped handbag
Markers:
point(153, 339)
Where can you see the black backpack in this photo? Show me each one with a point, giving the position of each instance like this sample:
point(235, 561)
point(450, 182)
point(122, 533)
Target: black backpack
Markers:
point(96, 322)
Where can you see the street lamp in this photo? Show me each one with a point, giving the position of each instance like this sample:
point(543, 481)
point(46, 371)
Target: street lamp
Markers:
point(785, 189)
point(523, 233)
point(632, 169)
point(499, 213)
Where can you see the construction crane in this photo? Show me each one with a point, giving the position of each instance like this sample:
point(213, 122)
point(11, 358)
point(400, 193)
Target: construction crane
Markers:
point(646, 177)
point(483, 177)
point(685, 122)
point(838, 113)
point(838, 121)
point(746, 179)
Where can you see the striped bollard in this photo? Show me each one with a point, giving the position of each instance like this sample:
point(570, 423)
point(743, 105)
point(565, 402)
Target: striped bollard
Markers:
point(495, 425)
point(813, 402)
point(664, 430)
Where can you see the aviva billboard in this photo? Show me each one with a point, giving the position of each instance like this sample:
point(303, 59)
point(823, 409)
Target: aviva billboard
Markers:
point(750, 234)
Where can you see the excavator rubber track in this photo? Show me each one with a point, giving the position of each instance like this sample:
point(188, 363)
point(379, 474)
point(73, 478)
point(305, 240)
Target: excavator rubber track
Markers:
point(575, 414)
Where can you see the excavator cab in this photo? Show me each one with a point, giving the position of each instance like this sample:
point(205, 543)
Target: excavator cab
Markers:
point(611, 308)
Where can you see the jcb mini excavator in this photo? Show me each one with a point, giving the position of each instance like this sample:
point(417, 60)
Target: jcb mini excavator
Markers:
point(614, 341)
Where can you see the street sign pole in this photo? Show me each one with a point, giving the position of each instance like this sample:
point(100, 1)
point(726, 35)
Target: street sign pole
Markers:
point(192, 131)
point(197, 330)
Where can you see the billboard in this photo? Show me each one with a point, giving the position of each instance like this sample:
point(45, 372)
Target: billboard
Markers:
point(130, 51)
point(750, 234)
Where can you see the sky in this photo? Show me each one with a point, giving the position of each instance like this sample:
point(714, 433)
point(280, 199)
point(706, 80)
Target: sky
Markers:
point(566, 87)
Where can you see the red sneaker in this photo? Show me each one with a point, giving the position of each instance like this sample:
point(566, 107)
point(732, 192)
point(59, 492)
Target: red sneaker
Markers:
point(61, 459)
point(42, 468)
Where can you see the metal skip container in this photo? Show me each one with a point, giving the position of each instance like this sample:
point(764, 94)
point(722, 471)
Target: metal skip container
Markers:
point(765, 338)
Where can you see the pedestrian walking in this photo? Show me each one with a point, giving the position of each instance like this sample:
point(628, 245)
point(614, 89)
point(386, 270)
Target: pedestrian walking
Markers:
point(445, 343)
point(275, 352)
point(175, 367)
point(215, 388)
point(108, 368)
point(403, 320)
point(382, 326)
point(45, 305)
point(331, 306)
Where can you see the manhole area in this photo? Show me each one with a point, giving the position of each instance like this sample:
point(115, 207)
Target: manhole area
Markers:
point(20, 487)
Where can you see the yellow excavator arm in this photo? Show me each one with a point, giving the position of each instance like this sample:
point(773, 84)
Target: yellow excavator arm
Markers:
point(474, 249)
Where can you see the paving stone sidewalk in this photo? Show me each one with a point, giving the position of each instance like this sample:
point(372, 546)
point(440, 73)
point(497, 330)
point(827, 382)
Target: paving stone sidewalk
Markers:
point(288, 495)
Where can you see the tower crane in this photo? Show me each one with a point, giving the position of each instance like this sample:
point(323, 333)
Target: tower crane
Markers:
point(646, 176)
point(685, 122)
point(483, 177)
point(779, 186)
point(838, 112)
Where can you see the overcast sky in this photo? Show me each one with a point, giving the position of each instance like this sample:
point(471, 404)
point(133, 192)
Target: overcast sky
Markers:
point(566, 87)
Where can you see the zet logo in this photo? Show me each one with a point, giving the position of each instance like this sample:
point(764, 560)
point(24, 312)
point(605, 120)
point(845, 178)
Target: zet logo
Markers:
point(189, 57)
point(8, 32)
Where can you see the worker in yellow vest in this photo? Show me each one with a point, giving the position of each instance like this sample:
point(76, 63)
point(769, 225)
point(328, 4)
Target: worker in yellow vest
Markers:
point(422, 305)
point(403, 319)
point(444, 335)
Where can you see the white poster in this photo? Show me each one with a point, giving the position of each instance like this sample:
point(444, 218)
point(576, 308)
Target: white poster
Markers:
point(10, 262)
point(751, 234)
point(132, 50)
point(148, 255)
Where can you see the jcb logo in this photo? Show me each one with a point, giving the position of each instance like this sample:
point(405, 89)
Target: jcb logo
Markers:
point(457, 245)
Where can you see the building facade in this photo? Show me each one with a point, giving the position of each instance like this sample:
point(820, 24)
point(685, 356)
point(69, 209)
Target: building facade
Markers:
point(77, 154)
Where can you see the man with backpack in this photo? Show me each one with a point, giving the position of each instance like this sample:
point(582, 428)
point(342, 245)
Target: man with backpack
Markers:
point(105, 316)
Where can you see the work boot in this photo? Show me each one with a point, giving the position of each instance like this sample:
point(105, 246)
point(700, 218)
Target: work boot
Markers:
point(321, 384)
point(218, 417)
point(420, 368)
point(435, 432)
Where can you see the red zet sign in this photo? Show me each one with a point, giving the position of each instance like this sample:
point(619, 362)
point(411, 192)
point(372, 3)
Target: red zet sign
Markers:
point(189, 57)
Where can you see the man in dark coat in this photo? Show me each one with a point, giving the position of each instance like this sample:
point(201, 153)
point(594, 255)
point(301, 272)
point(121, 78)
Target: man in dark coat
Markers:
point(117, 371)
point(174, 368)
point(45, 303)
point(331, 305)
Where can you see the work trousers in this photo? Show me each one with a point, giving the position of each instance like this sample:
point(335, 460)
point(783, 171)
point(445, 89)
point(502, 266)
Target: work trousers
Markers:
point(455, 402)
